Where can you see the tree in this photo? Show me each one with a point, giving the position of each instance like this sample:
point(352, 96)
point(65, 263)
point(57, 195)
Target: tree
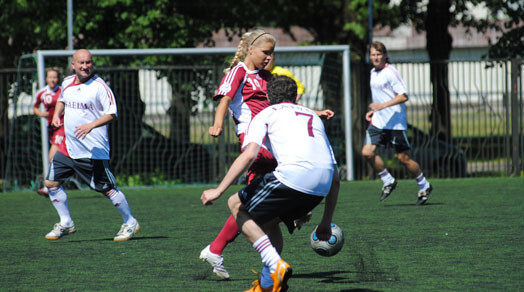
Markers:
point(504, 17)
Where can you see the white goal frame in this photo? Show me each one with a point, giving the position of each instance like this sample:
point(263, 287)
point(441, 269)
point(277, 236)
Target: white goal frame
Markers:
point(344, 49)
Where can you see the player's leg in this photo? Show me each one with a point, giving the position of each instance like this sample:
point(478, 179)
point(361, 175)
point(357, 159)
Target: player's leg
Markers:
point(59, 170)
point(275, 271)
point(264, 163)
point(56, 139)
point(375, 137)
point(265, 202)
point(402, 148)
point(213, 252)
point(105, 183)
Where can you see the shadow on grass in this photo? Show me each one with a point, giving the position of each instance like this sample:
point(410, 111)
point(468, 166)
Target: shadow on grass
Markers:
point(360, 290)
point(413, 205)
point(326, 277)
point(111, 239)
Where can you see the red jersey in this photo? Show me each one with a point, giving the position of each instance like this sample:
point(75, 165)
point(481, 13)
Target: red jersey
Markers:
point(248, 89)
point(48, 97)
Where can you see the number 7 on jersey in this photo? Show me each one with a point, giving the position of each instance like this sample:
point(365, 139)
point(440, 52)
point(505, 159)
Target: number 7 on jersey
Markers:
point(309, 122)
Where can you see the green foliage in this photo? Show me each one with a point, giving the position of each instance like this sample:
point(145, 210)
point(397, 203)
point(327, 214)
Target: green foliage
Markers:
point(503, 17)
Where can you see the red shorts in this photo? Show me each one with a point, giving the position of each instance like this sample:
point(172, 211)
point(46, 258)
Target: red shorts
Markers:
point(264, 163)
point(56, 135)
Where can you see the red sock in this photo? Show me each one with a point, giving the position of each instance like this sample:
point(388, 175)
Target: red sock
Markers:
point(228, 233)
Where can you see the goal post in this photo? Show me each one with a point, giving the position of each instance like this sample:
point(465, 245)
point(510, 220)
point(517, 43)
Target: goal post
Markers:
point(42, 57)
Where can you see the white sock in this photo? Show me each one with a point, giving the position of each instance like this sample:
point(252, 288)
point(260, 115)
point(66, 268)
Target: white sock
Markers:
point(58, 198)
point(386, 177)
point(422, 182)
point(119, 201)
point(267, 252)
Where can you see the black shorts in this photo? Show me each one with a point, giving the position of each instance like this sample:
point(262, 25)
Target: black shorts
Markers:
point(385, 137)
point(267, 198)
point(93, 172)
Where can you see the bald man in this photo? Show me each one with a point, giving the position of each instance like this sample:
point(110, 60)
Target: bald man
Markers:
point(89, 106)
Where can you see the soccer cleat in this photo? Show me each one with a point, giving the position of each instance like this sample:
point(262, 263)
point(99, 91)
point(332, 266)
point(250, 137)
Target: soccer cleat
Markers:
point(43, 192)
point(424, 194)
point(59, 230)
point(387, 190)
point(281, 275)
point(216, 261)
point(257, 288)
point(303, 220)
point(127, 232)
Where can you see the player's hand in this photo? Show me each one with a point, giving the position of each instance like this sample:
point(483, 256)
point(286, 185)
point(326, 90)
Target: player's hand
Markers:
point(369, 115)
point(56, 122)
point(82, 130)
point(376, 106)
point(215, 131)
point(209, 195)
point(324, 231)
point(326, 114)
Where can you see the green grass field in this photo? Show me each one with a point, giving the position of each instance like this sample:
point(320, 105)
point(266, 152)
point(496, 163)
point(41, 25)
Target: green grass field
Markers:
point(469, 237)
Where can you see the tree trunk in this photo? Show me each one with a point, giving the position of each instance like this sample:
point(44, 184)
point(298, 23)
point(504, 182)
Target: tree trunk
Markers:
point(439, 48)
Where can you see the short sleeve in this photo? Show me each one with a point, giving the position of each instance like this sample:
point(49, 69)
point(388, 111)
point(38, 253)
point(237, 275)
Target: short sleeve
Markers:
point(396, 82)
point(107, 99)
point(230, 83)
point(38, 99)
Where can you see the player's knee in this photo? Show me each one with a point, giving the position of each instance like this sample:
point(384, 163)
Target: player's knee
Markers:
point(51, 184)
point(403, 158)
point(234, 203)
point(368, 152)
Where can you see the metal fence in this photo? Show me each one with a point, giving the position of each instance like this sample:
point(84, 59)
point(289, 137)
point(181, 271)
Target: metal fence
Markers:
point(164, 113)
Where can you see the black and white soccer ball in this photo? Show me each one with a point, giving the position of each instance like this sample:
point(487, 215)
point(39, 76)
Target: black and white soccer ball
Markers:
point(330, 247)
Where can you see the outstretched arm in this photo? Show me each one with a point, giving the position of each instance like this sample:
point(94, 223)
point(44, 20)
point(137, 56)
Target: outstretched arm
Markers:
point(239, 166)
point(325, 114)
point(324, 228)
point(59, 109)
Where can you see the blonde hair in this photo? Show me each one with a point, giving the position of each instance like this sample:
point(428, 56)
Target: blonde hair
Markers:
point(251, 38)
point(58, 73)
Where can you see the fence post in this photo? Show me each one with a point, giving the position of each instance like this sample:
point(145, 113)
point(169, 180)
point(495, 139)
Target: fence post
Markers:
point(515, 116)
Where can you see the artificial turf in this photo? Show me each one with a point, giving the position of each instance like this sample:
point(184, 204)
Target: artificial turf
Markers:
point(468, 237)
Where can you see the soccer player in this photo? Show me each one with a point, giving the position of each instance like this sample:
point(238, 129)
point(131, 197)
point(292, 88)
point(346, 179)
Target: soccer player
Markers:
point(277, 70)
point(243, 91)
point(388, 124)
point(304, 176)
point(48, 96)
point(88, 105)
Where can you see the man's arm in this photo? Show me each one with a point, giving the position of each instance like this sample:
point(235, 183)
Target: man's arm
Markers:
point(239, 166)
point(324, 228)
point(82, 130)
point(59, 109)
point(401, 98)
point(325, 114)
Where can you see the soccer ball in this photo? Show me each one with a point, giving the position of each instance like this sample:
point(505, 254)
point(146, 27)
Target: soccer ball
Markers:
point(330, 247)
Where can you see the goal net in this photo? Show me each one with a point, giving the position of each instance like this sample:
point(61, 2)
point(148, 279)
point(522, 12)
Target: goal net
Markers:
point(165, 107)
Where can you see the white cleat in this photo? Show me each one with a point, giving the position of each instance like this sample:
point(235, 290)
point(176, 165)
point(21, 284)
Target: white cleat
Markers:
point(127, 232)
point(59, 230)
point(216, 261)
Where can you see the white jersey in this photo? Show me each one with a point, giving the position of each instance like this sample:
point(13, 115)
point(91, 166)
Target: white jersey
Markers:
point(385, 85)
point(296, 137)
point(85, 103)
